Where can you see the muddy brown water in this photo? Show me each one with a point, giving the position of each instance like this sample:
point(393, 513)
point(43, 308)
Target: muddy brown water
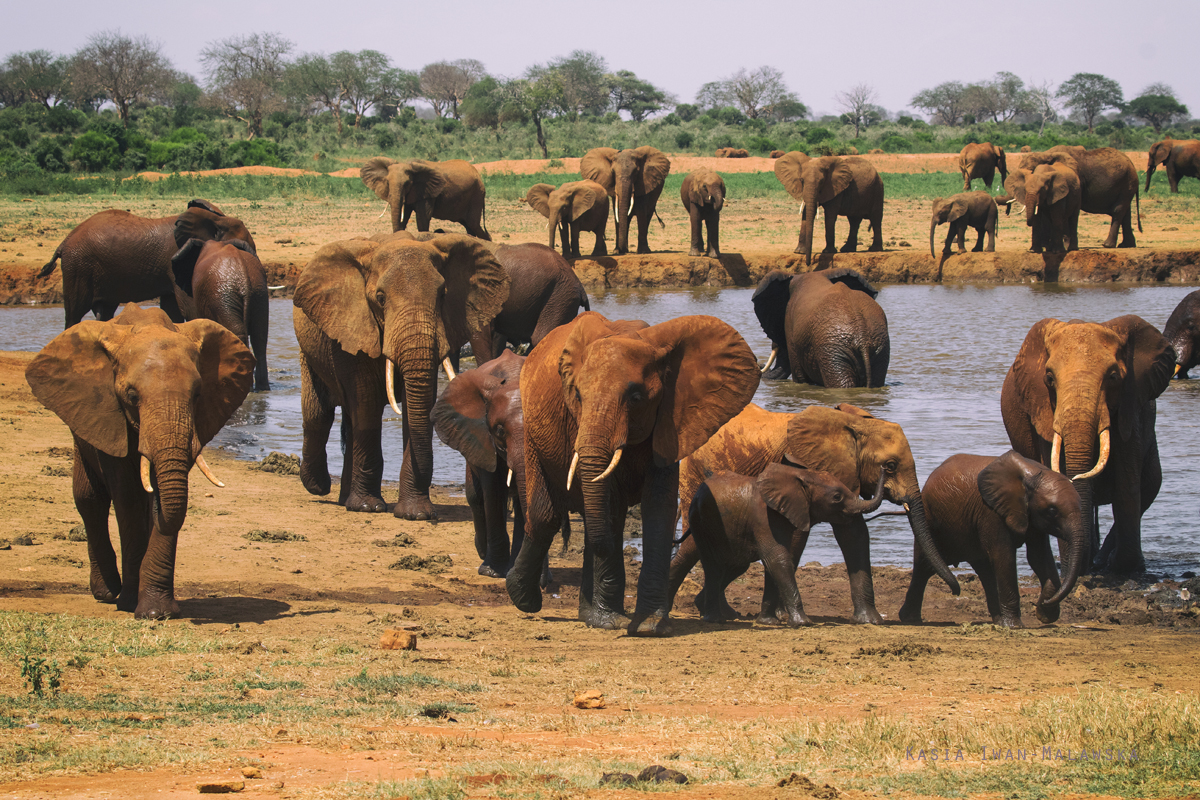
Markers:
point(951, 347)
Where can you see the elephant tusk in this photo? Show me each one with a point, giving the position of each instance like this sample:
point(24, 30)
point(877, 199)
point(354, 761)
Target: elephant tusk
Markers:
point(508, 482)
point(906, 510)
point(202, 465)
point(801, 209)
point(146, 475)
point(386, 208)
point(389, 380)
point(616, 459)
point(1056, 452)
point(449, 368)
point(571, 471)
point(1100, 462)
point(1177, 368)
point(770, 359)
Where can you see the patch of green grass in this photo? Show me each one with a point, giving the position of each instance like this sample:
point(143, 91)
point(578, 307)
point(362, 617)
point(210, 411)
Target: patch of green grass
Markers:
point(67, 636)
point(61, 753)
point(419, 789)
point(393, 684)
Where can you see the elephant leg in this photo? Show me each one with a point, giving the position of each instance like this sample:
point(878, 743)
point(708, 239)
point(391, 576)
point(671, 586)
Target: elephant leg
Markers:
point(695, 221)
point(104, 310)
point(478, 515)
point(542, 519)
point(364, 409)
point(948, 247)
point(961, 227)
point(660, 501)
point(783, 364)
point(602, 586)
point(156, 595)
point(712, 223)
point(777, 562)
point(1137, 486)
point(681, 566)
point(170, 305)
point(601, 248)
point(644, 214)
point(854, 540)
point(345, 437)
point(316, 411)
point(495, 511)
point(830, 231)
point(483, 346)
point(93, 501)
point(876, 233)
point(914, 598)
point(978, 248)
point(716, 607)
point(1172, 176)
point(990, 228)
point(574, 230)
point(1003, 563)
point(1126, 218)
point(1041, 559)
point(851, 245)
point(133, 507)
point(412, 499)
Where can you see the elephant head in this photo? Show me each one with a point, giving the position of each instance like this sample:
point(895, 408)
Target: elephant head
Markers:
point(1159, 153)
point(183, 263)
point(204, 221)
point(1046, 185)
point(855, 448)
point(565, 204)
point(706, 189)
point(946, 210)
point(1030, 497)
point(805, 496)
point(814, 182)
point(141, 381)
point(479, 415)
point(403, 185)
point(628, 176)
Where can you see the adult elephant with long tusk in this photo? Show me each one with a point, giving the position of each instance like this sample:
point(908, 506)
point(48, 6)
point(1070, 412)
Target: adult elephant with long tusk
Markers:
point(611, 406)
point(1080, 398)
point(374, 319)
point(141, 395)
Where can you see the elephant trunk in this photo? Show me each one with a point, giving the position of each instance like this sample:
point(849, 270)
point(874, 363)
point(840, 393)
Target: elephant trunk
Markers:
point(1080, 453)
point(920, 528)
point(414, 344)
point(396, 200)
point(1075, 561)
point(932, 230)
point(1150, 167)
point(555, 221)
point(1031, 206)
point(860, 506)
point(624, 201)
point(166, 440)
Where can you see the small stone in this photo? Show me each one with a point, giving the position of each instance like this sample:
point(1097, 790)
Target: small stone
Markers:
point(279, 733)
point(393, 639)
point(660, 774)
point(220, 785)
point(24, 540)
point(592, 698)
point(251, 772)
point(277, 785)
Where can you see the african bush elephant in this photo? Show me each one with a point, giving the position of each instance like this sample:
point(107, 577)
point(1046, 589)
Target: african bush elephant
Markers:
point(449, 190)
point(1070, 386)
point(1183, 332)
point(965, 210)
point(115, 257)
point(1179, 157)
point(1108, 184)
point(142, 396)
point(981, 160)
point(736, 520)
point(849, 444)
point(225, 282)
point(845, 186)
point(1051, 196)
point(364, 309)
point(610, 409)
point(634, 178)
point(981, 510)
point(572, 208)
point(731, 152)
point(825, 328)
point(703, 196)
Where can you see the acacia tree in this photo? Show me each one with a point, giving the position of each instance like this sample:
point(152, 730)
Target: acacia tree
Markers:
point(1156, 109)
point(123, 69)
point(1088, 94)
point(444, 84)
point(640, 98)
point(754, 92)
point(945, 103)
point(858, 107)
point(38, 75)
point(246, 76)
point(1001, 98)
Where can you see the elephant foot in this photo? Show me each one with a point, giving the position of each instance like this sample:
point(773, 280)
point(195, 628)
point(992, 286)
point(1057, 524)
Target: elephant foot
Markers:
point(527, 597)
point(829, 251)
point(1127, 243)
point(768, 621)
point(644, 251)
point(597, 617)
point(1008, 622)
point(909, 615)
point(490, 572)
point(104, 591)
point(976, 249)
point(696, 251)
point(156, 606)
point(370, 504)
point(875, 248)
point(868, 616)
point(800, 251)
point(316, 481)
point(713, 254)
point(547, 577)
point(1047, 613)
point(776, 374)
point(656, 624)
point(1122, 562)
point(418, 508)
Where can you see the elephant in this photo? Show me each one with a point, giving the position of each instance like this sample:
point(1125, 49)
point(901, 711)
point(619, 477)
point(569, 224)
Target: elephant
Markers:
point(634, 178)
point(1051, 196)
point(736, 520)
point(825, 328)
point(115, 257)
point(703, 195)
point(1183, 332)
point(731, 152)
point(572, 208)
point(449, 190)
point(142, 396)
point(981, 160)
point(981, 510)
point(965, 210)
point(365, 309)
point(845, 186)
point(777, 154)
point(1108, 184)
point(613, 405)
point(846, 442)
point(225, 282)
point(1070, 385)
point(1180, 157)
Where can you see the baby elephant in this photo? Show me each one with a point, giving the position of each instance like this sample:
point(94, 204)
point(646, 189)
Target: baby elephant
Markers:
point(703, 195)
point(965, 210)
point(980, 510)
point(736, 520)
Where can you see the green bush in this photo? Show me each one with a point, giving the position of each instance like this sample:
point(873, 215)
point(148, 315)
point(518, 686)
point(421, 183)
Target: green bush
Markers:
point(818, 135)
point(96, 152)
point(684, 139)
point(760, 144)
point(48, 154)
point(895, 143)
point(255, 152)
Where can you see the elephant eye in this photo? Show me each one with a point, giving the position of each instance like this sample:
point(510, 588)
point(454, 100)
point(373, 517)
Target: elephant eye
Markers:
point(131, 395)
point(890, 467)
point(1049, 378)
point(500, 432)
point(380, 297)
point(837, 497)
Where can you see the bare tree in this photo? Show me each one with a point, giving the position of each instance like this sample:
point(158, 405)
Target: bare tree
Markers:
point(444, 84)
point(245, 76)
point(858, 106)
point(1043, 104)
point(945, 103)
point(1159, 88)
point(126, 70)
point(757, 91)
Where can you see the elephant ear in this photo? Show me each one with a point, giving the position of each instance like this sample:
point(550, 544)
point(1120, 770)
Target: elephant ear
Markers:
point(787, 170)
point(73, 377)
point(476, 286)
point(460, 419)
point(1005, 485)
point(1060, 189)
point(1149, 365)
point(861, 413)
point(711, 376)
point(826, 440)
point(596, 165)
point(428, 176)
point(375, 175)
point(584, 200)
point(958, 209)
point(770, 304)
point(655, 168)
point(538, 197)
point(195, 224)
point(835, 180)
point(331, 291)
point(183, 264)
point(1015, 185)
point(1029, 373)
point(784, 490)
point(998, 152)
point(206, 205)
point(853, 279)
point(226, 375)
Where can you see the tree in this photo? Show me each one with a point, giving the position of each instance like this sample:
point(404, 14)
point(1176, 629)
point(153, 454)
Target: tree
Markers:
point(858, 105)
point(1156, 109)
point(582, 78)
point(755, 92)
point(396, 87)
point(39, 75)
point(444, 84)
point(123, 69)
point(1088, 94)
point(246, 76)
point(945, 103)
point(1001, 98)
point(640, 98)
point(1160, 88)
point(1042, 105)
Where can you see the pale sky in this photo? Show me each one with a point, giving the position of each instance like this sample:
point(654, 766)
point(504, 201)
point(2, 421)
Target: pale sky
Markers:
point(898, 48)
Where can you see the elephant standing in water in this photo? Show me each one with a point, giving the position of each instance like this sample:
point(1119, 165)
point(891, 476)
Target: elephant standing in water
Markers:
point(449, 190)
point(1183, 332)
point(845, 186)
point(142, 397)
point(634, 179)
point(1179, 157)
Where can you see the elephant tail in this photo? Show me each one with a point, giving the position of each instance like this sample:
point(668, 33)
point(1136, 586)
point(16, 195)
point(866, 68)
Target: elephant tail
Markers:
point(1137, 198)
point(661, 224)
point(53, 262)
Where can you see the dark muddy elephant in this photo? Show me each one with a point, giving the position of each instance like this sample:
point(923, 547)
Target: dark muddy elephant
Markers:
point(1183, 332)
point(981, 510)
point(825, 328)
point(982, 160)
point(449, 190)
point(1108, 184)
point(142, 397)
point(703, 197)
point(225, 282)
point(571, 209)
point(365, 309)
point(115, 257)
point(1179, 157)
point(735, 521)
point(634, 178)
point(845, 186)
point(1071, 385)
point(610, 409)
point(846, 442)
point(965, 210)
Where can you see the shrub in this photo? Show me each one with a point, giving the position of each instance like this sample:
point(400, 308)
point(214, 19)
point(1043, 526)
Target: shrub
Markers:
point(255, 152)
point(61, 119)
point(760, 144)
point(96, 151)
point(687, 112)
point(684, 139)
point(385, 138)
point(49, 155)
point(895, 143)
point(817, 135)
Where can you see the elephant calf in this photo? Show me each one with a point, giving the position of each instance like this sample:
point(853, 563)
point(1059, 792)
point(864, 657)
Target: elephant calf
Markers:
point(736, 520)
point(965, 210)
point(703, 196)
point(981, 510)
